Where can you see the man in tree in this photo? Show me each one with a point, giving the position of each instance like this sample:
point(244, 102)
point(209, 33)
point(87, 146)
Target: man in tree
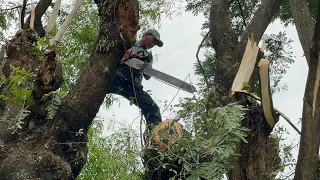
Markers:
point(127, 81)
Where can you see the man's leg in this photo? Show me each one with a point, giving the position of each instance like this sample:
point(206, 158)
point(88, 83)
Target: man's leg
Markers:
point(140, 98)
point(148, 107)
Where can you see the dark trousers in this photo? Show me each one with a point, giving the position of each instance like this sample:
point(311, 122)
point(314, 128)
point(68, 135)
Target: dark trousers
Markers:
point(139, 97)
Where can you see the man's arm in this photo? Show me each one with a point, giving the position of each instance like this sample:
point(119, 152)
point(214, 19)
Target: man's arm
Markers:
point(148, 65)
point(146, 76)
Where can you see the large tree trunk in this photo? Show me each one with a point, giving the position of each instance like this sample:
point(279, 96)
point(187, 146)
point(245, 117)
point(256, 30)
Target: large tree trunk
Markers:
point(56, 148)
point(309, 35)
point(253, 161)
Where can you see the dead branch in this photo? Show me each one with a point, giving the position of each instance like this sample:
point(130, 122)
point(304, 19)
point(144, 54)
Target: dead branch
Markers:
point(198, 60)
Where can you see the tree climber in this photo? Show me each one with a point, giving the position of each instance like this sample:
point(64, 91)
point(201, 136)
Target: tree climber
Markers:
point(127, 81)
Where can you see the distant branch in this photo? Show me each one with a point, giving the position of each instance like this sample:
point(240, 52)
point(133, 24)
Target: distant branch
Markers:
point(66, 23)
point(304, 24)
point(259, 23)
point(197, 56)
point(41, 8)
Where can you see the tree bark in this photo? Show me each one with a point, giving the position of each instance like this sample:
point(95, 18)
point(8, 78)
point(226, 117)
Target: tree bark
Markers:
point(304, 24)
point(56, 149)
point(308, 163)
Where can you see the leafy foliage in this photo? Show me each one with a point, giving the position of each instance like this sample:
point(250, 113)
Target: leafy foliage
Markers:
point(18, 85)
point(279, 54)
point(285, 15)
point(53, 101)
point(8, 13)
point(111, 157)
point(286, 168)
point(16, 122)
point(208, 149)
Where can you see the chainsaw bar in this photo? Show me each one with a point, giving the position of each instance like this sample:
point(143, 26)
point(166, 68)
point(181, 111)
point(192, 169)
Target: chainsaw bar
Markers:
point(137, 64)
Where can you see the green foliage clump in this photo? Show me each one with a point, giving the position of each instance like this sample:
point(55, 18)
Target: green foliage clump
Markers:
point(278, 52)
point(208, 148)
point(18, 84)
point(52, 101)
point(16, 121)
point(111, 157)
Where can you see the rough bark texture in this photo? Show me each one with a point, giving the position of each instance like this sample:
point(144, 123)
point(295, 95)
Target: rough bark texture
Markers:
point(52, 149)
point(259, 158)
point(304, 24)
point(254, 155)
point(308, 163)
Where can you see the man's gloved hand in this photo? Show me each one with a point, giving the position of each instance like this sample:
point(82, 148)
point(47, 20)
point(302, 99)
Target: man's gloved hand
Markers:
point(143, 67)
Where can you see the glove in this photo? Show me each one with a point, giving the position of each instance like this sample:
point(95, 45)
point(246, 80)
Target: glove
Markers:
point(143, 67)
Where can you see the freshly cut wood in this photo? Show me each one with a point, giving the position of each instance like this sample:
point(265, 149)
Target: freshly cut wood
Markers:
point(52, 21)
point(265, 92)
point(246, 67)
point(316, 88)
point(165, 133)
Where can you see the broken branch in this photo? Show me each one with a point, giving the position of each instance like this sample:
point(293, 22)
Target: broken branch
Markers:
point(265, 92)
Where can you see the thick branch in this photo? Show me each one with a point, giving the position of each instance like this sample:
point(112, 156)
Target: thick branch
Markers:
point(303, 23)
point(308, 164)
point(220, 25)
point(259, 23)
point(224, 42)
point(41, 8)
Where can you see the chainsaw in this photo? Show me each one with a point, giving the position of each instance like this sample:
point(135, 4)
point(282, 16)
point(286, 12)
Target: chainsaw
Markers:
point(138, 64)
